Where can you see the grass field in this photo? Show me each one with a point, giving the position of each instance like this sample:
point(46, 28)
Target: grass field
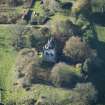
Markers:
point(7, 57)
point(38, 8)
point(101, 33)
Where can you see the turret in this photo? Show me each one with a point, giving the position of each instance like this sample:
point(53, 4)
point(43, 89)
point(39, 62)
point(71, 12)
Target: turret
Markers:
point(49, 51)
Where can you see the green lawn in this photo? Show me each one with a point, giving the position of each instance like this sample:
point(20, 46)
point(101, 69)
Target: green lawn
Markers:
point(7, 58)
point(101, 33)
point(38, 8)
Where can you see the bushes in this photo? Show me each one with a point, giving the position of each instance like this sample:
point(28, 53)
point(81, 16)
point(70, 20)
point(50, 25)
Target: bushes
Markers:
point(16, 2)
point(76, 49)
point(28, 101)
point(19, 40)
point(23, 66)
point(64, 75)
point(29, 37)
point(53, 96)
point(87, 66)
point(9, 17)
point(80, 6)
point(29, 69)
point(52, 5)
point(83, 94)
point(3, 19)
point(92, 66)
point(65, 29)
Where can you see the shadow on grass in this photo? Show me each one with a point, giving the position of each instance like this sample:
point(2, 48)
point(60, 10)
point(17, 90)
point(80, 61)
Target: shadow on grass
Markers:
point(97, 76)
point(101, 50)
point(98, 18)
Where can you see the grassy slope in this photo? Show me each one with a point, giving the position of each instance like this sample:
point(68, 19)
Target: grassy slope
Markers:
point(101, 33)
point(38, 90)
point(7, 57)
point(7, 54)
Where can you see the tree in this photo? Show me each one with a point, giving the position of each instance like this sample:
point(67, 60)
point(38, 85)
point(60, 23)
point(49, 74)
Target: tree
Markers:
point(64, 75)
point(24, 101)
point(25, 37)
point(87, 66)
point(3, 19)
point(51, 5)
point(76, 49)
point(81, 5)
point(19, 40)
point(26, 61)
point(30, 69)
point(13, 2)
point(83, 94)
point(65, 28)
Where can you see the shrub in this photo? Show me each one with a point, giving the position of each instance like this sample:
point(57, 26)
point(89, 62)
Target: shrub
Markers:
point(89, 37)
point(3, 19)
point(83, 94)
point(76, 49)
point(80, 6)
point(23, 66)
point(26, 37)
point(52, 97)
point(20, 38)
point(91, 65)
point(26, 101)
point(38, 39)
point(52, 5)
point(66, 29)
point(16, 2)
point(87, 65)
point(64, 75)
point(29, 69)
point(45, 31)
